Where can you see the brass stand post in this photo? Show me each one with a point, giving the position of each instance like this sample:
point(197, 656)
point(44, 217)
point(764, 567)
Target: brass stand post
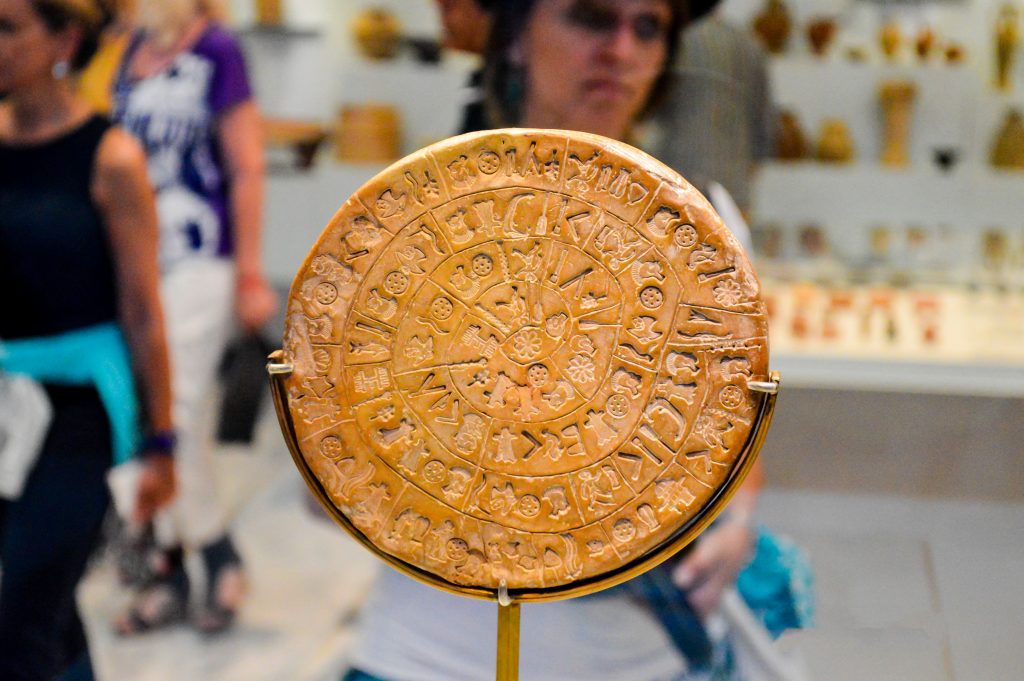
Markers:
point(508, 637)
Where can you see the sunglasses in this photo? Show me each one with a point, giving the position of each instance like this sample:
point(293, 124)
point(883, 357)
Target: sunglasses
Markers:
point(602, 18)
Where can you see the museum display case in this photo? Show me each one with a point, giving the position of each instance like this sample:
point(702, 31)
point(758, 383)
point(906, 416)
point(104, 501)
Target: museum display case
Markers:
point(901, 268)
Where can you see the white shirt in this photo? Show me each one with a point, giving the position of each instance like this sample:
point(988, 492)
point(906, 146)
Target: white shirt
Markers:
point(412, 632)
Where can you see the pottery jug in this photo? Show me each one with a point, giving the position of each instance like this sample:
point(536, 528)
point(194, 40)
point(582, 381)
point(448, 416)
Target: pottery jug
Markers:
point(1008, 146)
point(834, 142)
point(377, 33)
point(773, 26)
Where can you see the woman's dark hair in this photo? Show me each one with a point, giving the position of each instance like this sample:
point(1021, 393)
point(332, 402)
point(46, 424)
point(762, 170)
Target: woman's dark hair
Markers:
point(91, 16)
point(504, 81)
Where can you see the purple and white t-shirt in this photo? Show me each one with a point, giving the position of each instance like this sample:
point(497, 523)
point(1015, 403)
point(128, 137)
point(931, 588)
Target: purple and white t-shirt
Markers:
point(174, 114)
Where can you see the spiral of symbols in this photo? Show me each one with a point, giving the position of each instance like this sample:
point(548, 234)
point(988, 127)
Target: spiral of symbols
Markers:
point(522, 357)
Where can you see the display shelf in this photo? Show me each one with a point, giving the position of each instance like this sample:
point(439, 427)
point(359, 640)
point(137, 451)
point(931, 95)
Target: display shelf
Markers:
point(278, 32)
point(937, 224)
point(920, 339)
point(953, 108)
point(967, 195)
point(806, 370)
point(954, 211)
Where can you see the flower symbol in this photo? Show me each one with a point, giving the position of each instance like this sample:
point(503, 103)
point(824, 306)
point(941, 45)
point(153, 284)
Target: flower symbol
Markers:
point(581, 369)
point(527, 344)
point(728, 292)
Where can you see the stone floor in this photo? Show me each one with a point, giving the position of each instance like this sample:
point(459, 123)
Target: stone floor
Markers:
point(908, 589)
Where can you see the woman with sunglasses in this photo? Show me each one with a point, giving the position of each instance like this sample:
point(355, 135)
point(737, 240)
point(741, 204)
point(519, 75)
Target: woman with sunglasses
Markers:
point(595, 66)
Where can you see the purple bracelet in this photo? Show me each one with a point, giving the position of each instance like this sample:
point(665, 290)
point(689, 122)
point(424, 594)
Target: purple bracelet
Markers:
point(159, 443)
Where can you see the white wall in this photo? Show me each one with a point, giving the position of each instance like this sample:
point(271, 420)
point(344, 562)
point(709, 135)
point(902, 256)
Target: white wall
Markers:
point(302, 75)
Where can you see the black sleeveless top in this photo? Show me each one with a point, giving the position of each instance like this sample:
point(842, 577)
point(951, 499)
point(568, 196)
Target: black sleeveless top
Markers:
point(56, 267)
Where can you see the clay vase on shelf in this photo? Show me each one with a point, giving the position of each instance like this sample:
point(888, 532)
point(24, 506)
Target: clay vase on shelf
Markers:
point(269, 12)
point(994, 248)
point(773, 26)
point(368, 133)
point(377, 33)
point(813, 243)
point(790, 141)
point(924, 43)
point(1007, 40)
point(820, 33)
point(897, 102)
point(1008, 145)
point(890, 38)
point(834, 142)
point(927, 308)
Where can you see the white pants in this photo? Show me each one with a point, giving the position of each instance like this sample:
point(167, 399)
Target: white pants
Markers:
point(198, 300)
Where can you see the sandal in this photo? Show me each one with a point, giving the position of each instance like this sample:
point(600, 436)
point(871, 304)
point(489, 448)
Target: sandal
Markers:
point(227, 587)
point(163, 602)
point(156, 607)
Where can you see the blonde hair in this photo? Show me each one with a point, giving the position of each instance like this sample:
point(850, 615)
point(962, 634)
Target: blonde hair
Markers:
point(166, 20)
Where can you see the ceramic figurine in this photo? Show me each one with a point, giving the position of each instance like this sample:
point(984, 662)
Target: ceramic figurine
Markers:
point(954, 53)
point(994, 249)
point(879, 322)
point(917, 237)
point(820, 32)
point(840, 302)
point(773, 26)
point(1007, 41)
point(790, 141)
point(803, 299)
point(834, 142)
point(368, 133)
point(897, 101)
point(813, 242)
point(1008, 145)
point(928, 311)
point(924, 43)
point(377, 33)
point(268, 12)
point(890, 38)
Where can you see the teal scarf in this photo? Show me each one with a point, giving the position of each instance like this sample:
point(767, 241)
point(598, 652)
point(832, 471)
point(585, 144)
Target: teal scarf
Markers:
point(96, 356)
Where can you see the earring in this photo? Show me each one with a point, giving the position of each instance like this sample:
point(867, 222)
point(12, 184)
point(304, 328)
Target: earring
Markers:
point(60, 69)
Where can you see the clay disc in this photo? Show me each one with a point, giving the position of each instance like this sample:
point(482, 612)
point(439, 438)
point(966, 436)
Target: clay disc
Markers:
point(523, 356)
